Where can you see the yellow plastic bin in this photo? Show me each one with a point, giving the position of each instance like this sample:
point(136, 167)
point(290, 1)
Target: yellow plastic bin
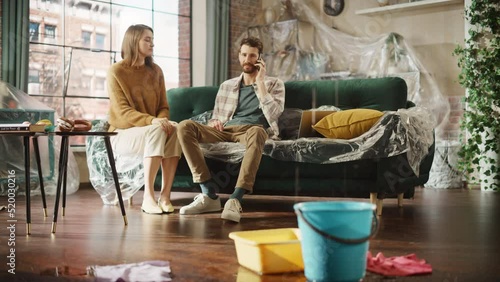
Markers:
point(270, 250)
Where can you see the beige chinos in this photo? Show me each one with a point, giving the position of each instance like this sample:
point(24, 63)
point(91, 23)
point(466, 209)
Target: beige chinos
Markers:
point(191, 133)
point(149, 141)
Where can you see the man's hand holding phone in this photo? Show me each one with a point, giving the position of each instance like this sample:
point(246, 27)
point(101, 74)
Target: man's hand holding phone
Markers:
point(260, 65)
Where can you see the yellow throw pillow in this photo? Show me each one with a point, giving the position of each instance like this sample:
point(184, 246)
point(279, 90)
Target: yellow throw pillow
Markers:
point(347, 124)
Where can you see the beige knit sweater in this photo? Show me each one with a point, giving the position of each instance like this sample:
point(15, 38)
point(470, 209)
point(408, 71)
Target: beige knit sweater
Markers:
point(137, 95)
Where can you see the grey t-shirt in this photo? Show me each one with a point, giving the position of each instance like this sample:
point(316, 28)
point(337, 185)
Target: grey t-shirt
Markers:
point(248, 111)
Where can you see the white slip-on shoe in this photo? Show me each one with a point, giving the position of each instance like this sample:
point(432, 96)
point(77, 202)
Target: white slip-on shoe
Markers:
point(151, 209)
point(165, 208)
point(232, 210)
point(202, 203)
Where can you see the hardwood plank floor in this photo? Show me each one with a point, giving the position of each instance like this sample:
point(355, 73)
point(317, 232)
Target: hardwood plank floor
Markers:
point(456, 231)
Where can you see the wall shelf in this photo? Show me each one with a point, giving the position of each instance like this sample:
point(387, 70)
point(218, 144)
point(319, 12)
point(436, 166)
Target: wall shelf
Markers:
point(407, 7)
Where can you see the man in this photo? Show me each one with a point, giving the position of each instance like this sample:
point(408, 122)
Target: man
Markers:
point(246, 110)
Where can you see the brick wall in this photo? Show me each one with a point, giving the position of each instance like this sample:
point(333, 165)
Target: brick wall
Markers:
point(451, 130)
point(184, 44)
point(242, 13)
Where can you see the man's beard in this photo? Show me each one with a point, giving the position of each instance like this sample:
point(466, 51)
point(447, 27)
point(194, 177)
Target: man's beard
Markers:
point(252, 68)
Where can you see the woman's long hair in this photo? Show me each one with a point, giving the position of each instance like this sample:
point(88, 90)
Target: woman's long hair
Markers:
point(130, 45)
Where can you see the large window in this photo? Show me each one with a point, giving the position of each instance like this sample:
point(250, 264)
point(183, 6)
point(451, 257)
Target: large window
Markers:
point(73, 44)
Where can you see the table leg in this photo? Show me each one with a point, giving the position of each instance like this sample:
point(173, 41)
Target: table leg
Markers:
point(111, 159)
point(40, 175)
point(65, 177)
point(27, 179)
point(62, 168)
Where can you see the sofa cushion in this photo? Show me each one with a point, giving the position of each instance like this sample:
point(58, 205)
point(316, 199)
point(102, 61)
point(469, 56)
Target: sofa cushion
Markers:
point(347, 124)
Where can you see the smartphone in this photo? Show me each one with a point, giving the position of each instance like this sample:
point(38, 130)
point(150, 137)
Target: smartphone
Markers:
point(258, 61)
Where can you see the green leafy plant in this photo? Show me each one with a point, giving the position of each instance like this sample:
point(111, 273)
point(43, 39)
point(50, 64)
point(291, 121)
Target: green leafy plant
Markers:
point(480, 74)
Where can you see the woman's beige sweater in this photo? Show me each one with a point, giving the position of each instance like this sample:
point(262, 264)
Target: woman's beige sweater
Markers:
point(137, 95)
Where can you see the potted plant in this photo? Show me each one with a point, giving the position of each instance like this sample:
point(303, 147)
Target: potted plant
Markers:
point(480, 75)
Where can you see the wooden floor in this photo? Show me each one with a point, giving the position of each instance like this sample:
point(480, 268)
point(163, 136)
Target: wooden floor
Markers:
point(456, 231)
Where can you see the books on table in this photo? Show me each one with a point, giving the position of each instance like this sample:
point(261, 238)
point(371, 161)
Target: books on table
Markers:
point(22, 127)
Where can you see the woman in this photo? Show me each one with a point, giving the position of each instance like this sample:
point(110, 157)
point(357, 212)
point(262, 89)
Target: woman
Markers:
point(139, 112)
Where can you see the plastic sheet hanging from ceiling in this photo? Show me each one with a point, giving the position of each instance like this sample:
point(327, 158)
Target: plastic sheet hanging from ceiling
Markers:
point(18, 107)
point(299, 46)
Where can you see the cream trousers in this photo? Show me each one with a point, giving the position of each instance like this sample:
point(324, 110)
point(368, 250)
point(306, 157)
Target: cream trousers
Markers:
point(149, 141)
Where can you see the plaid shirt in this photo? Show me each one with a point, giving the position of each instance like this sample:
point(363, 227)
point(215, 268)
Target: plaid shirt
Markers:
point(272, 104)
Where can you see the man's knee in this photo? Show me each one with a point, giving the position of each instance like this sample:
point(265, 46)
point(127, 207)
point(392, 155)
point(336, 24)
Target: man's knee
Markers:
point(185, 126)
point(257, 133)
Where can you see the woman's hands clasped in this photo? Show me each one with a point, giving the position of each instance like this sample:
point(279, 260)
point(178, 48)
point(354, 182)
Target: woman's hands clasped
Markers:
point(166, 125)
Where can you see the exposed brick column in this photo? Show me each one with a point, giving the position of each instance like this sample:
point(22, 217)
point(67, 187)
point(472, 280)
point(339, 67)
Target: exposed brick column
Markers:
point(451, 130)
point(185, 43)
point(242, 13)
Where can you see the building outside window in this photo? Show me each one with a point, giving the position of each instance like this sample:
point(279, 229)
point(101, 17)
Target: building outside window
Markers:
point(100, 40)
point(34, 29)
point(86, 38)
point(74, 43)
point(50, 31)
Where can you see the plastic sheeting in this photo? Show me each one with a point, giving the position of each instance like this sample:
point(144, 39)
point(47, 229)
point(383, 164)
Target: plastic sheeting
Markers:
point(17, 107)
point(407, 131)
point(299, 46)
point(129, 169)
point(445, 172)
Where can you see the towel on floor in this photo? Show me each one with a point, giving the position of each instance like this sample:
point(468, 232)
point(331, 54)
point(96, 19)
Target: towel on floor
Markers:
point(397, 266)
point(155, 270)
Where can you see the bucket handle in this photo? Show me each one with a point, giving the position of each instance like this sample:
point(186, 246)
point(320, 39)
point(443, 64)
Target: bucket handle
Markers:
point(374, 231)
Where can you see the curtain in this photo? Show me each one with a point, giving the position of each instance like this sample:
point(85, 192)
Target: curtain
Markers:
point(217, 41)
point(15, 43)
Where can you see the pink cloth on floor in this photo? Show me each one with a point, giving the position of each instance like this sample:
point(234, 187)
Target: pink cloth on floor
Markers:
point(397, 266)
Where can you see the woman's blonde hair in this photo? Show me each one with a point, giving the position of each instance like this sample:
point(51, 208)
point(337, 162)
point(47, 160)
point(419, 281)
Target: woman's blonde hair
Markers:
point(130, 45)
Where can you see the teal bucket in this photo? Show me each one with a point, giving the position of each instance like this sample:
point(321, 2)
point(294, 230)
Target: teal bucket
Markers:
point(334, 239)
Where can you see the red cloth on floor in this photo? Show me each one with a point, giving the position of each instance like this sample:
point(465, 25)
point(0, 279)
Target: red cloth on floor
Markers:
point(397, 266)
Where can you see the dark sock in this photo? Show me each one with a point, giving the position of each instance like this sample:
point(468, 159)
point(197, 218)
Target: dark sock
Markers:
point(209, 188)
point(238, 194)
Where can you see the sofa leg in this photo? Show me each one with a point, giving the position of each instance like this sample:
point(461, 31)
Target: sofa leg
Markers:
point(377, 202)
point(130, 200)
point(379, 206)
point(400, 200)
point(373, 198)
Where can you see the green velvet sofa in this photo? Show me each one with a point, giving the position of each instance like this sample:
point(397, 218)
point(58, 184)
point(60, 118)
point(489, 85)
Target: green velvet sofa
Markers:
point(376, 178)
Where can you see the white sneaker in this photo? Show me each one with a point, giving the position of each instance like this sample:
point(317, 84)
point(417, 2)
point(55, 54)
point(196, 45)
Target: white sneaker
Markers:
point(232, 210)
point(202, 203)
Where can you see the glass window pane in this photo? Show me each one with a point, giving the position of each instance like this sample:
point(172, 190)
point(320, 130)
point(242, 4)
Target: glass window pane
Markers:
point(46, 22)
point(123, 17)
point(171, 6)
point(87, 72)
point(85, 19)
point(55, 103)
point(178, 7)
point(143, 4)
point(166, 35)
point(170, 68)
point(48, 61)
